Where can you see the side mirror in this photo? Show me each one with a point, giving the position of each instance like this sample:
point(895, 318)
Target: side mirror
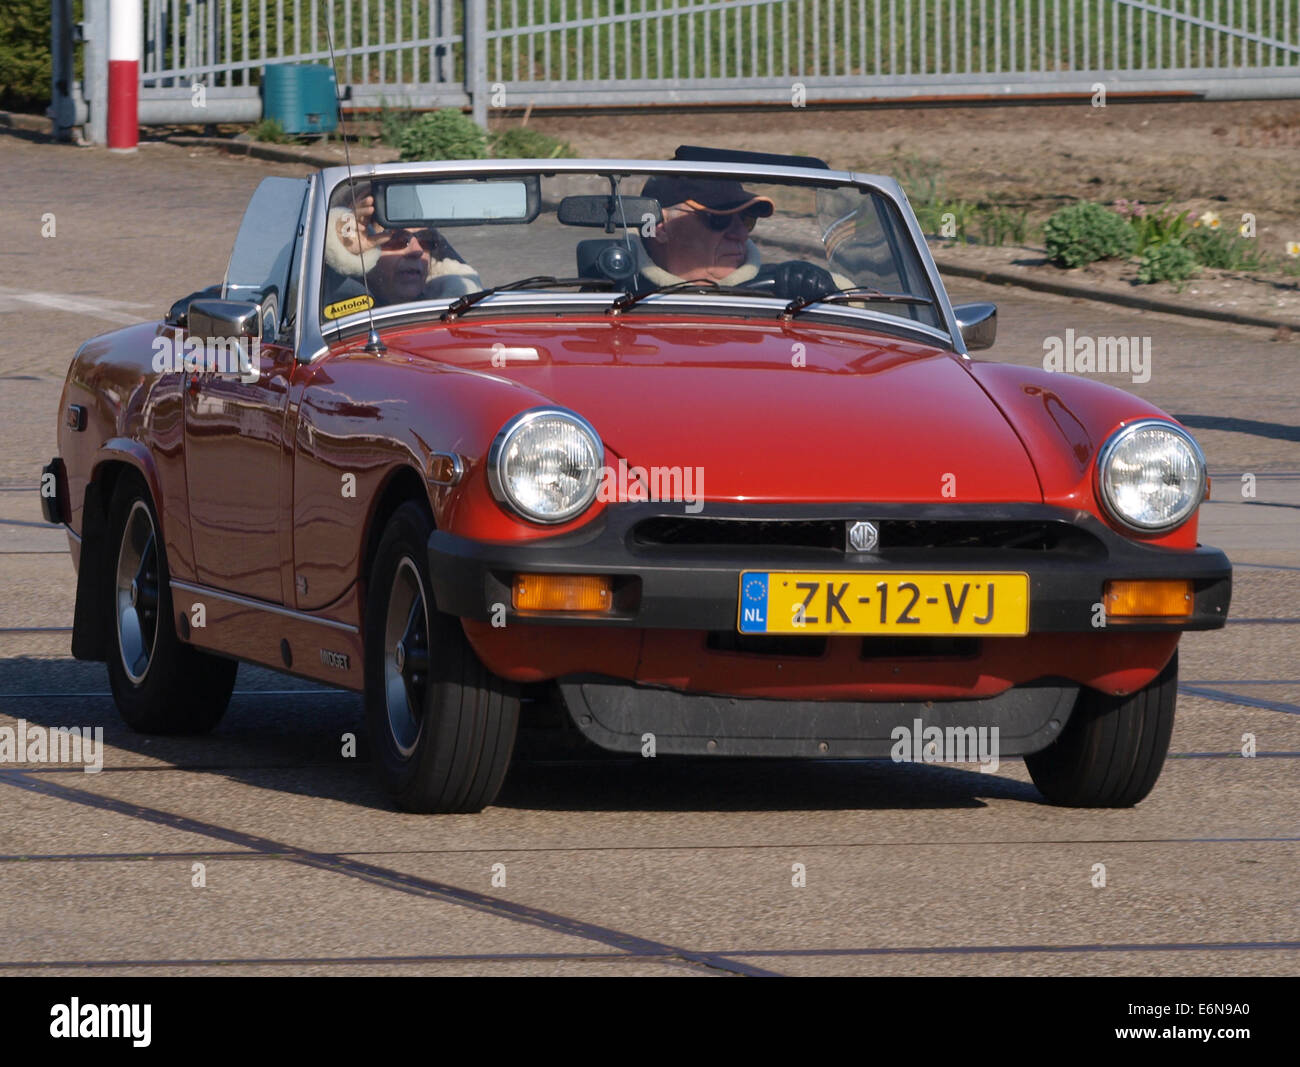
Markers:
point(177, 315)
point(231, 332)
point(978, 324)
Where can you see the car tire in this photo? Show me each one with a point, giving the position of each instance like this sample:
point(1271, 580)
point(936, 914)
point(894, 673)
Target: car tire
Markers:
point(160, 684)
point(1113, 747)
point(442, 725)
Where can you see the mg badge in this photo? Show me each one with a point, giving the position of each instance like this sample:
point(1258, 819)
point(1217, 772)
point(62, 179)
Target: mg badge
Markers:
point(863, 536)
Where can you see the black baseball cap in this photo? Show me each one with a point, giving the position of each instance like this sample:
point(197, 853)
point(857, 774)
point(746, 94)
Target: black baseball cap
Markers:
point(720, 196)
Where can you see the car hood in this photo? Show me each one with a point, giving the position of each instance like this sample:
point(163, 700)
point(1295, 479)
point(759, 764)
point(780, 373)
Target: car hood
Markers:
point(762, 412)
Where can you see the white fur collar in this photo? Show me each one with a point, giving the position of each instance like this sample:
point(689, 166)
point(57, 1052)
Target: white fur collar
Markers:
point(339, 256)
point(353, 265)
point(655, 273)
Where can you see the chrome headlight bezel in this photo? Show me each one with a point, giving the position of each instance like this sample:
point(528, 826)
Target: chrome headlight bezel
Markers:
point(1104, 488)
point(512, 428)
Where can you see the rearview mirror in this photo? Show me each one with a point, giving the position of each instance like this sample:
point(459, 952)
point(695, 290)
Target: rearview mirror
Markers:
point(978, 324)
point(457, 203)
point(608, 211)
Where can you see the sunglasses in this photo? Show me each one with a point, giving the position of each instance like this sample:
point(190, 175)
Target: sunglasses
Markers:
point(719, 222)
point(396, 240)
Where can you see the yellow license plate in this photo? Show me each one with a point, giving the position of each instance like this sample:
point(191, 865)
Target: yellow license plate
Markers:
point(921, 604)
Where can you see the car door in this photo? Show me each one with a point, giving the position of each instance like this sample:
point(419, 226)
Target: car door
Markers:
point(235, 449)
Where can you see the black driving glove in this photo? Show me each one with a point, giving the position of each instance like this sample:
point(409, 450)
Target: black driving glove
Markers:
point(796, 280)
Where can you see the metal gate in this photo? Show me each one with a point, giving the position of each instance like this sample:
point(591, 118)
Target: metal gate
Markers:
point(481, 54)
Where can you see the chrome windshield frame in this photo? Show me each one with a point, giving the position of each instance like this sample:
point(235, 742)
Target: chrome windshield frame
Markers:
point(312, 342)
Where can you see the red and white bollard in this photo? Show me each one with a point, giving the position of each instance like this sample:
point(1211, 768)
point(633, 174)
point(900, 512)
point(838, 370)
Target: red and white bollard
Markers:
point(125, 28)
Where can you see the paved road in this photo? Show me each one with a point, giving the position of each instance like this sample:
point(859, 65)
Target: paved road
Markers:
point(613, 866)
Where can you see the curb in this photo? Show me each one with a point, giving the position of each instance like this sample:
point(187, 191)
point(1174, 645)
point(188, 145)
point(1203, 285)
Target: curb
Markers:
point(1102, 296)
point(32, 123)
point(272, 153)
point(993, 277)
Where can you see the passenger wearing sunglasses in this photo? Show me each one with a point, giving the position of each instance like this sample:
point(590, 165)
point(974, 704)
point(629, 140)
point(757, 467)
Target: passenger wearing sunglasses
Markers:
point(399, 265)
point(704, 236)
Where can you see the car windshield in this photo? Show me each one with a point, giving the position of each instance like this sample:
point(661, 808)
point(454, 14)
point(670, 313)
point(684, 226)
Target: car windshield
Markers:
point(442, 239)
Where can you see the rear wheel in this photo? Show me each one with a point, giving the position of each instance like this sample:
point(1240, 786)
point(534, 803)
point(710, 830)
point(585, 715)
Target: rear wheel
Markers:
point(1113, 748)
point(442, 724)
point(160, 684)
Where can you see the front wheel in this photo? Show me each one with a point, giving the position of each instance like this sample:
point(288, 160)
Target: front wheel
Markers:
point(160, 684)
point(1112, 749)
point(442, 724)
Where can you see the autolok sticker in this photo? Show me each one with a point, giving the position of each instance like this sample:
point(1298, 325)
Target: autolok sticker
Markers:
point(347, 307)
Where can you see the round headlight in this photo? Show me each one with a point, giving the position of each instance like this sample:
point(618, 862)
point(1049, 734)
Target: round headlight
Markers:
point(545, 464)
point(1152, 475)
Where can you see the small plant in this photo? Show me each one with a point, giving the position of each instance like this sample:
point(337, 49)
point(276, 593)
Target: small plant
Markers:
point(519, 142)
point(1000, 223)
point(1151, 228)
point(921, 179)
point(1084, 233)
point(445, 134)
point(1224, 251)
point(1171, 262)
point(949, 219)
point(269, 131)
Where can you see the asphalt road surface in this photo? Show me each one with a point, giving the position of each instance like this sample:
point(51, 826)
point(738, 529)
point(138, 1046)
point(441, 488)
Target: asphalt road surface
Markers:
point(612, 866)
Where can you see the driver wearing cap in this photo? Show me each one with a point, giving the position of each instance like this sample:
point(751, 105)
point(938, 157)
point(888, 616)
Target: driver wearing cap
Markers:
point(704, 236)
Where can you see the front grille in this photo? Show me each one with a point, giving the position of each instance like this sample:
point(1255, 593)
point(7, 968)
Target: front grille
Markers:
point(895, 534)
point(1025, 536)
point(920, 647)
point(740, 533)
point(765, 645)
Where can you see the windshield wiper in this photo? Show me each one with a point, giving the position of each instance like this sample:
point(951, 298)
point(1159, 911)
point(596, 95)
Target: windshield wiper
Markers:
point(844, 296)
point(628, 300)
point(538, 281)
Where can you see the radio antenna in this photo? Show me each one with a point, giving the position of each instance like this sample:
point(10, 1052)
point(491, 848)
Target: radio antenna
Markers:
point(373, 343)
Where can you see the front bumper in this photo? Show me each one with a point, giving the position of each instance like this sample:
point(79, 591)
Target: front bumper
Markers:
point(621, 717)
point(696, 587)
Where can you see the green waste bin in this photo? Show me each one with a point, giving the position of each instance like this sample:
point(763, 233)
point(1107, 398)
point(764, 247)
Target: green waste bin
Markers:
point(301, 96)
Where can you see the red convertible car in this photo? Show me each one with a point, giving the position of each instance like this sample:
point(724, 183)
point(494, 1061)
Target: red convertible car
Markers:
point(694, 449)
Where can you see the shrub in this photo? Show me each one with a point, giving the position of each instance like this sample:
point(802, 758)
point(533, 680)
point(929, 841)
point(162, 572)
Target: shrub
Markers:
point(392, 121)
point(1171, 262)
point(24, 55)
point(1224, 251)
point(269, 131)
point(445, 134)
point(1084, 233)
point(519, 142)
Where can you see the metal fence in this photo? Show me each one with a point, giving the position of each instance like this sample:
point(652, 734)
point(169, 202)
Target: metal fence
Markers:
point(495, 53)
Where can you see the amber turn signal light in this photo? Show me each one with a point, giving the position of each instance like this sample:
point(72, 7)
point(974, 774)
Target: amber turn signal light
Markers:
point(563, 592)
point(1147, 600)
